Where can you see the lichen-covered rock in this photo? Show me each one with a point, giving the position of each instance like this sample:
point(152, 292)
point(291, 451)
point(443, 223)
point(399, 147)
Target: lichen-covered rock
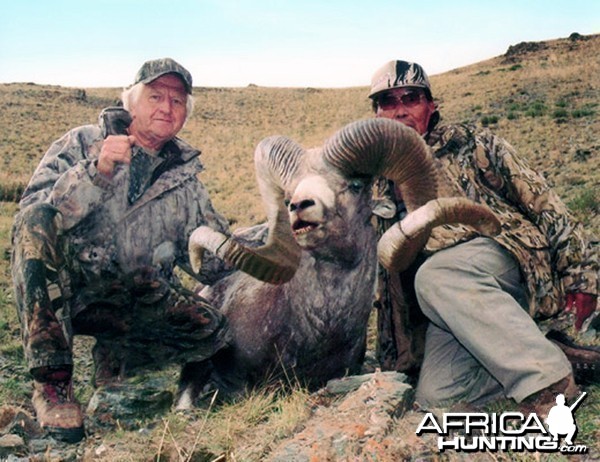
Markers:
point(127, 404)
point(358, 424)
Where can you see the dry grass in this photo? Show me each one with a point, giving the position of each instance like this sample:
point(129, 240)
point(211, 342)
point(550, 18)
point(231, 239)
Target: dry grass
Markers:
point(244, 430)
point(544, 102)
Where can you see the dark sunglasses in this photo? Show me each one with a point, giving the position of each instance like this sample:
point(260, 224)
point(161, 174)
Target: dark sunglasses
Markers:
point(409, 99)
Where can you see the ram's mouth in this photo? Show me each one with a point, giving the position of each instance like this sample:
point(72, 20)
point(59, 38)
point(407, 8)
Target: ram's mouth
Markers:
point(302, 227)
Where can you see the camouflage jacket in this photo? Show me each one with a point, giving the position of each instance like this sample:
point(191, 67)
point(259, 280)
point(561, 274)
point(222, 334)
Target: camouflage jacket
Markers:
point(537, 228)
point(106, 237)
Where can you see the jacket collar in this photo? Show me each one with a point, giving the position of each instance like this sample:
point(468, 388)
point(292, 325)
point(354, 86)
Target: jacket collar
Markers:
point(181, 164)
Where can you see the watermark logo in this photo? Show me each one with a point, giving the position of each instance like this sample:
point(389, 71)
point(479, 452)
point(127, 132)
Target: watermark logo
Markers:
point(507, 431)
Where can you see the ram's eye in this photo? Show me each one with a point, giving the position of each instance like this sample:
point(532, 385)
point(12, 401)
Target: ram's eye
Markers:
point(356, 185)
point(286, 202)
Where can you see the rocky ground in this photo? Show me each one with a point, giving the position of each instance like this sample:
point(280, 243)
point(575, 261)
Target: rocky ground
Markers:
point(370, 417)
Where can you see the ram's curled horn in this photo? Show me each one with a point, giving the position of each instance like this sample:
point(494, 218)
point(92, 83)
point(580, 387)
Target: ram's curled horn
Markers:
point(383, 147)
point(399, 246)
point(276, 159)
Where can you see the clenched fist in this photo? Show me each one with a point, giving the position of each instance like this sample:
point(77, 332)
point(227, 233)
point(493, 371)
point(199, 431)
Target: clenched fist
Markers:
point(116, 149)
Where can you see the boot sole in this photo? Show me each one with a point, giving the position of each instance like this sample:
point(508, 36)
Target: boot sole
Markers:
point(585, 360)
point(67, 435)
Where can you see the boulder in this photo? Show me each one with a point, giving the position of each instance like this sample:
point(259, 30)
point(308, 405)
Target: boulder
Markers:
point(357, 424)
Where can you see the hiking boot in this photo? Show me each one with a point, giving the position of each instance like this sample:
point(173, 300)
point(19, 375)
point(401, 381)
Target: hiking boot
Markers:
point(56, 408)
point(542, 401)
point(585, 360)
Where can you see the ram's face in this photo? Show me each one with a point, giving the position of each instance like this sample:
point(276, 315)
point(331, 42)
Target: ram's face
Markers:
point(310, 208)
point(326, 211)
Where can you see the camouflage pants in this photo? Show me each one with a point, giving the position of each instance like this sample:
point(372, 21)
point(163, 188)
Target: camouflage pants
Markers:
point(139, 321)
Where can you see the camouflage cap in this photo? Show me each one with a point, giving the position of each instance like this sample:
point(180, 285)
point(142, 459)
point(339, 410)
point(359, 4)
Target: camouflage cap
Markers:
point(398, 74)
point(152, 70)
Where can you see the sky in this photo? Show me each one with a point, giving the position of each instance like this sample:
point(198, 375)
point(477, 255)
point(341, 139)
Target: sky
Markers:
point(285, 43)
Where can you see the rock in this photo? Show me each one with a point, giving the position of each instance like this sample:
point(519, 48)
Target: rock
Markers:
point(576, 36)
point(6, 415)
point(358, 424)
point(352, 383)
point(11, 444)
point(524, 48)
point(101, 450)
point(39, 445)
point(127, 404)
point(24, 425)
point(17, 421)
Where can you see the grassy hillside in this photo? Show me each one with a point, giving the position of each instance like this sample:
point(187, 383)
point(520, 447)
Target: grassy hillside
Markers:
point(543, 97)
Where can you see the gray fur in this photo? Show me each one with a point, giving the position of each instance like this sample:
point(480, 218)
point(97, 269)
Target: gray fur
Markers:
point(313, 327)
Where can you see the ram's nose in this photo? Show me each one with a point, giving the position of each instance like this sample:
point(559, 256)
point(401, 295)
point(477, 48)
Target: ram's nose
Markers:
point(301, 204)
point(312, 192)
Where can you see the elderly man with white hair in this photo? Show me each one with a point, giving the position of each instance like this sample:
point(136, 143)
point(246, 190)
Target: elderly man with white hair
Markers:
point(103, 222)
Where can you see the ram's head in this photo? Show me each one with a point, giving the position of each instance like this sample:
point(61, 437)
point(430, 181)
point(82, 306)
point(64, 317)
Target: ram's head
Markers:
point(303, 192)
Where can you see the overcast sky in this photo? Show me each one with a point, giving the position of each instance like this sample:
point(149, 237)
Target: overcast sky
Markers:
point(316, 43)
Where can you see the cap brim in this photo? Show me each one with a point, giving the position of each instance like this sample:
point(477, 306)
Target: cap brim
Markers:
point(383, 90)
point(148, 80)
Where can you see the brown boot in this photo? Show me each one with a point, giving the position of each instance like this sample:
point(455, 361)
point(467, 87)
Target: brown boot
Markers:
point(542, 401)
point(56, 408)
point(584, 359)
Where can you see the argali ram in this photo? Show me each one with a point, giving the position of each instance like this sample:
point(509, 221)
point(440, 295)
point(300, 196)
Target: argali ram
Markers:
point(300, 305)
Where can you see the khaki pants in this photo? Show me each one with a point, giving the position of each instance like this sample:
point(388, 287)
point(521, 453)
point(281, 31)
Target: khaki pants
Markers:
point(481, 343)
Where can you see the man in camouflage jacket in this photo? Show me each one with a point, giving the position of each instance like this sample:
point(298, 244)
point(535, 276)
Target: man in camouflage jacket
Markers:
point(104, 220)
point(479, 296)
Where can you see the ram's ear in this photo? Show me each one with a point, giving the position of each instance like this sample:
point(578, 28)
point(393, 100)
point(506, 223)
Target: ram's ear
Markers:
point(383, 208)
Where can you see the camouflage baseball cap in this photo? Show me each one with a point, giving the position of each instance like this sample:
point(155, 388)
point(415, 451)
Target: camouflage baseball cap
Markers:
point(152, 70)
point(398, 74)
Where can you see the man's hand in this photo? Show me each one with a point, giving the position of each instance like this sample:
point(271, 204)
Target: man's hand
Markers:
point(582, 305)
point(116, 149)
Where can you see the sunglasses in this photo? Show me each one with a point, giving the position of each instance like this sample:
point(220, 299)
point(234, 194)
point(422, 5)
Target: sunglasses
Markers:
point(409, 99)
